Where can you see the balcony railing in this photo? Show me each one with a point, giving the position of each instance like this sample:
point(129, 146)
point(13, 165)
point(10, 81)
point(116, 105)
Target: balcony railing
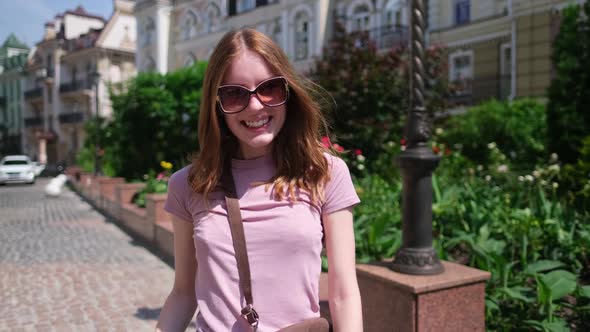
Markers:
point(33, 121)
point(71, 117)
point(386, 36)
point(33, 93)
point(75, 86)
point(473, 91)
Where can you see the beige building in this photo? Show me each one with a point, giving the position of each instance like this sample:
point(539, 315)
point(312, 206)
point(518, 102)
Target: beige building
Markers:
point(496, 48)
point(79, 55)
point(174, 34)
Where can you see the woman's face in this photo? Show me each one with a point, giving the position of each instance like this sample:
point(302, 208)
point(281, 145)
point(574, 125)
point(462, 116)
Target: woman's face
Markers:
point(257, 125)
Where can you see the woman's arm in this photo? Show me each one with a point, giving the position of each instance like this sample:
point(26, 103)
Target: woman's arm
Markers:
point(180, 305)
point(343, 290)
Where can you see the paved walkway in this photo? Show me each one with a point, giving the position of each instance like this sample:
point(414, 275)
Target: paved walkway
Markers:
point(63, 267)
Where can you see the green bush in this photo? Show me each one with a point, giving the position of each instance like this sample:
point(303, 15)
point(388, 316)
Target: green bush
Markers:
point(517, 128)
point(154, 118)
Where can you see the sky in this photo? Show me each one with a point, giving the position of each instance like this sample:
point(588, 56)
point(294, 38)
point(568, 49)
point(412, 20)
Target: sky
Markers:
point(26, 18)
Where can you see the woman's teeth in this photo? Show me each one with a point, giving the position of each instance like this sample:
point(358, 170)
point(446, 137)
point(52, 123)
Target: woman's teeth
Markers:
point(257, 124)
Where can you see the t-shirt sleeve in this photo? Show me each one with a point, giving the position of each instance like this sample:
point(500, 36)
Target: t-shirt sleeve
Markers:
point(340, 192)
point(178, 195)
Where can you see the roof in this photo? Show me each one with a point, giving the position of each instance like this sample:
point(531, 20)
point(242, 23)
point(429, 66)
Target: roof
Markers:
point(13, 42)
point(80, 11)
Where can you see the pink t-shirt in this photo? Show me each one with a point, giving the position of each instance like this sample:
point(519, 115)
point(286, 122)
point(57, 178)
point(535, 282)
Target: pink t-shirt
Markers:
point(283, 241)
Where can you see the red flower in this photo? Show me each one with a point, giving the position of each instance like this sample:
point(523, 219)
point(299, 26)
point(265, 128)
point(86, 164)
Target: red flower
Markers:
point(402, 142)
point(358, 152)
point(326, 142)
point(447, 151)
point(435, 149)
point(338, 147)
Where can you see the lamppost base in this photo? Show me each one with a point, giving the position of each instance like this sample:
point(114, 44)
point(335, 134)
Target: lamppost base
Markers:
point(417, 261)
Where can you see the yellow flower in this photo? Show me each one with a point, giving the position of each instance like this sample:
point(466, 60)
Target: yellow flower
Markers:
point(165, 164)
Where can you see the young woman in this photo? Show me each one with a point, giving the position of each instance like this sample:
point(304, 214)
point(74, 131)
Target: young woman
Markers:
point(258, 118)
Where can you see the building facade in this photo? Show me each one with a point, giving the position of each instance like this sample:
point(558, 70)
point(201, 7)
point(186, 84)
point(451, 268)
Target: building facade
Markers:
point(497, 48)
point(13, 57)
point(67, 78)
point(177, 33)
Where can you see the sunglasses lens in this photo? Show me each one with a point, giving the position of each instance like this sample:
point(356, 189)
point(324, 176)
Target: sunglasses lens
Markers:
point(233, 98)
point(272, 92)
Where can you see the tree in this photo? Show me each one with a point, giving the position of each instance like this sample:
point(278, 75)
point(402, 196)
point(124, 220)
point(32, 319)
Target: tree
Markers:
point(568, 119)
point(370, 88)
point(154, 119)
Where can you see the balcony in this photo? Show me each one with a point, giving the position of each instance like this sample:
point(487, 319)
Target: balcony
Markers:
point(75, 86)
point(385, 37)
point(474, 91)
point(35, 121)
point(75, 117)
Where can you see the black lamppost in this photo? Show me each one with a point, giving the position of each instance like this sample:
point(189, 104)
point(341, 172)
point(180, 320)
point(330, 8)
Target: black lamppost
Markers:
point(97, 150)
point(417, 162)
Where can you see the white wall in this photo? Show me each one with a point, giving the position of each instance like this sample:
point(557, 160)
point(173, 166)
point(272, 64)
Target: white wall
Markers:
point(124, 26)
point(78, 25)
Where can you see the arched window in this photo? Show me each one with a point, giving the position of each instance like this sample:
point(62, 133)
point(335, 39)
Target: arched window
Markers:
point(213, 16)
point(149, 29)
point(276, 31)
point(188, 28)
point(301, 36)
point(361, 20)
point(189, 60)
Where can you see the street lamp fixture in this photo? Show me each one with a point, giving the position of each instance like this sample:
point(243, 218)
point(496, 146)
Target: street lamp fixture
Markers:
point(95, 76)
point(416, 255)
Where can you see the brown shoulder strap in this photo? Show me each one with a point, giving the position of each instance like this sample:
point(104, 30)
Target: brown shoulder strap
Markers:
point(239, 241)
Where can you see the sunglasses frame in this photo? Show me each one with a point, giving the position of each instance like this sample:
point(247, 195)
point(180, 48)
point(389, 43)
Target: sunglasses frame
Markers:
point(251, 92)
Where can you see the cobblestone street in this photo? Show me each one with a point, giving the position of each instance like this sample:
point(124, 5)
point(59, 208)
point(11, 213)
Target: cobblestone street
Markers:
point(63, 267)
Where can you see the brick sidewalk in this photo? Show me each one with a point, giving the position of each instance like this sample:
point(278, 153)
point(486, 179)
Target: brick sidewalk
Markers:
point(64, 268)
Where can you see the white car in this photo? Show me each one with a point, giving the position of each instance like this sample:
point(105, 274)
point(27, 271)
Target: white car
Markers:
point(17, 168)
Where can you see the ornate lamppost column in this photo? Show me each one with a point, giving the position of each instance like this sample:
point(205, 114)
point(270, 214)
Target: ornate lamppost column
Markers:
point(417, 162)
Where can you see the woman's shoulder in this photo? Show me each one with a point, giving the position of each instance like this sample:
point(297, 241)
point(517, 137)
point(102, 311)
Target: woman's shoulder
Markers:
point(178, 181)
point(335, 163)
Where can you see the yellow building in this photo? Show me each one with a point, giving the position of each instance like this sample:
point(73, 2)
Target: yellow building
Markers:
point(496, 48)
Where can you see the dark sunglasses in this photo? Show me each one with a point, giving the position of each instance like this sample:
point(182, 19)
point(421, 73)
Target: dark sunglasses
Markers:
point(235, 98)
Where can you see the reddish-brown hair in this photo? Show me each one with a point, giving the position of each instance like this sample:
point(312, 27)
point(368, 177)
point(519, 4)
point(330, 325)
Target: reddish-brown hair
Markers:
point(297, 151)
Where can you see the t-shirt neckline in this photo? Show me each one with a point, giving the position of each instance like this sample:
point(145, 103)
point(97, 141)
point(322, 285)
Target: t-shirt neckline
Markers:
point(259, 162)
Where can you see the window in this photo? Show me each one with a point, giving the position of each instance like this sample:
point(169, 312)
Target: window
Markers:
point(505, 70)
point(461, 71)
point(213, 15)
point(245, 5)
point(395, 13)
point(462, 11)
point(276, 31)
point(189, 26)
point(149, 64)
point(301, 36)
point(360, 18)
point(148, 31)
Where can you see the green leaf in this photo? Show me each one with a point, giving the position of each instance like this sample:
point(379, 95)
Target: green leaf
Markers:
point(585, 291)
point(515, 294)
point(543, 266)
point(560, 282)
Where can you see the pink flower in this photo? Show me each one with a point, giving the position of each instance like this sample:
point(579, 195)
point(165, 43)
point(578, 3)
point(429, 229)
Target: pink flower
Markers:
point(160, 176)
point(326, 142)
point(358, 152)
point(338, 147)
point(402, 142)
